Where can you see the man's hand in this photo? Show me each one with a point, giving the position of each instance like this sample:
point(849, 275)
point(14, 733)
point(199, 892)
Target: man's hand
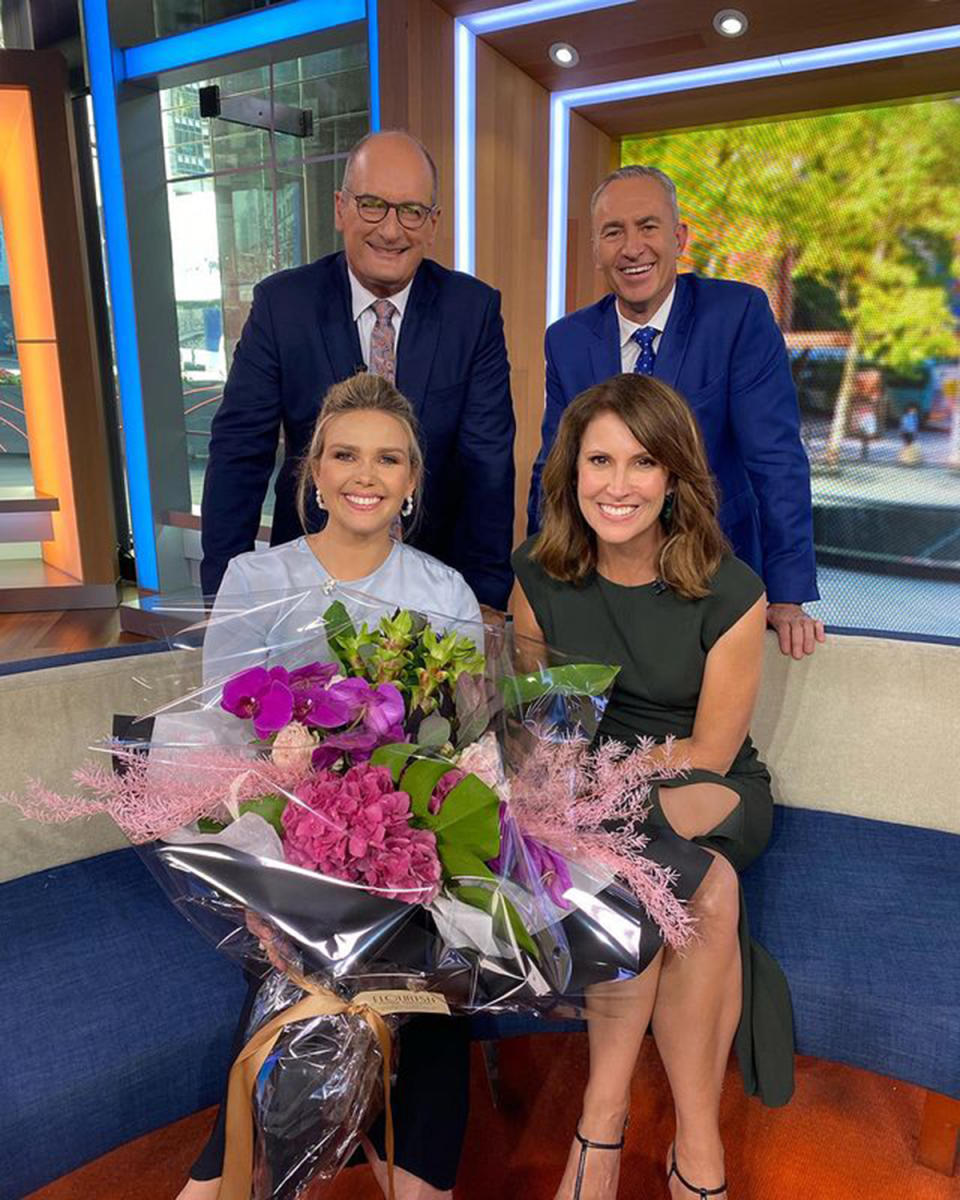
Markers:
point(797, 632)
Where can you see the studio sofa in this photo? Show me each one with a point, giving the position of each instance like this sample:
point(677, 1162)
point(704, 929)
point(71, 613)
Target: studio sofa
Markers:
point(118, 1017)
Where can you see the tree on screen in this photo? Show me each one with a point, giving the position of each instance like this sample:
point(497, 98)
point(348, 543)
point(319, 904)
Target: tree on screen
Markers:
point(865, 203)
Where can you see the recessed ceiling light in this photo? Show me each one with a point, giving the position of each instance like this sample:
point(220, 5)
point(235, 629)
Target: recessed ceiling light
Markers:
point(730, 22)
point(564, 55)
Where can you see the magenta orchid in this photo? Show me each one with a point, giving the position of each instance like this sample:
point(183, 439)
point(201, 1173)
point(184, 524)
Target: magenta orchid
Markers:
point(261, 696)
point(545, 864)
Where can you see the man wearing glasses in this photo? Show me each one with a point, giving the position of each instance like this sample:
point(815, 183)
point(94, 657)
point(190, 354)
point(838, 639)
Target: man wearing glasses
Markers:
point(382, 306)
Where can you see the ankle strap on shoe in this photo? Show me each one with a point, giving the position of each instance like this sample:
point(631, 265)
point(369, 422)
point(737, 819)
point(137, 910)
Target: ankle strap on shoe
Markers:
point(588, 1145)
point(701, 1192)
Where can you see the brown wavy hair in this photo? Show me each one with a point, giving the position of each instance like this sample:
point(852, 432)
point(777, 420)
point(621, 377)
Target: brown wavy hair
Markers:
point(362, 392)
point(663, 423)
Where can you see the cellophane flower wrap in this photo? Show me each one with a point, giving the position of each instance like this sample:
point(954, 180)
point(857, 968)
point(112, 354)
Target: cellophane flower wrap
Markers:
point(380, 811)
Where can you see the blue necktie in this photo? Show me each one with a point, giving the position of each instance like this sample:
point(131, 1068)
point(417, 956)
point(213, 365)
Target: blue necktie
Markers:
point(644, 339)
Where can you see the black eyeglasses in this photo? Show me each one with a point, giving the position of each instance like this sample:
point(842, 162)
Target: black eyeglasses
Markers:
point(373, 209)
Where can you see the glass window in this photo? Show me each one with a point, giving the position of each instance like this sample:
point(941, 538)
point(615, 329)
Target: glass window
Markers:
point(136, 21)
point(246, 202)
point(14, 450)
point(849, 221)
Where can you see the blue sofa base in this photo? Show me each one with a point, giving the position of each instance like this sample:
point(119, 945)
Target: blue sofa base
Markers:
point(122, 1016)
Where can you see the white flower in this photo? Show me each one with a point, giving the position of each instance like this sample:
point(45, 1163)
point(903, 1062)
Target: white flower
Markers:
point(483, 760)
point(293, 748)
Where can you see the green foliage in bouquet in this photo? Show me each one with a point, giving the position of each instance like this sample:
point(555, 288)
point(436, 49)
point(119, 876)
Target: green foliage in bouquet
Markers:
point(403, 650)
point(466, 825)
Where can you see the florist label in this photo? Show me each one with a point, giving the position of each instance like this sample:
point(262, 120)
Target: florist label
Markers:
point(404, 1001)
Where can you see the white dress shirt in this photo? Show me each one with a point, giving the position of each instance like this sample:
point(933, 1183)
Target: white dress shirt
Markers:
point(363, 301)
point(629, 350)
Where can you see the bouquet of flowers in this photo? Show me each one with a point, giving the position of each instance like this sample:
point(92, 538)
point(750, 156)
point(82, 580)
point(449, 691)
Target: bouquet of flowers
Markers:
point(382, 812)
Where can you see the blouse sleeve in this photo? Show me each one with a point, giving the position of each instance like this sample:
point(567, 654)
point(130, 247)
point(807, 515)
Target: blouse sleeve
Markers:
point(735, 590)
point(464, 604)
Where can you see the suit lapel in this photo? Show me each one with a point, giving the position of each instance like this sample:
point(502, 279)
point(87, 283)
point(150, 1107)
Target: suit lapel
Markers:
point(338, 330)
point(605, 348)
point(419, 337)
point(676, 336)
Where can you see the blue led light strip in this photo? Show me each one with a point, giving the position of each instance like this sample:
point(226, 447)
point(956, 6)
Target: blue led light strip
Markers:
point(465, 147)
point(259, 28)
point(844, 54)
point(466, 29)
point(373, 63)
point(103, 60)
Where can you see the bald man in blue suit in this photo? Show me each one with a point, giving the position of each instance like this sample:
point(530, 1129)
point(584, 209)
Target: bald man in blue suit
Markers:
point(311, 327)
point(716, 343)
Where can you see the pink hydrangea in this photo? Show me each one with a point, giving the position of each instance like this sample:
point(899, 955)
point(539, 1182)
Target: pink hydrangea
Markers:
point(356, 827)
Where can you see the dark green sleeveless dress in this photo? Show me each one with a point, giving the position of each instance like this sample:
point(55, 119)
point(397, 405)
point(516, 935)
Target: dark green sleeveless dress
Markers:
point(660, 641)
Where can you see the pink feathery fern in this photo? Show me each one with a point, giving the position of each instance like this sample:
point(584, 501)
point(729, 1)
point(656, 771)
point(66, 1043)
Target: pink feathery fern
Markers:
point(150, 799)
point(590, 804)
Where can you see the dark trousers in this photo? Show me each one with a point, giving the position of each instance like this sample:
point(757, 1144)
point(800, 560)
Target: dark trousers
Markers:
point(429, 1100)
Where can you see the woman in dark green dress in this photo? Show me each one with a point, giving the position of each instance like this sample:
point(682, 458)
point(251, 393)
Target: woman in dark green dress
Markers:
point(630, 567)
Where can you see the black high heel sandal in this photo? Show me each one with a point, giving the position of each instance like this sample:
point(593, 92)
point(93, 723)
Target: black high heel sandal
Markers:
point(585, 1145)
point(701, 1192)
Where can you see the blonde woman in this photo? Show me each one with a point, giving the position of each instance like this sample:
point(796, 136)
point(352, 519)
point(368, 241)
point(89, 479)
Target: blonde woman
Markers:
point(363, 467)
point(630, 567)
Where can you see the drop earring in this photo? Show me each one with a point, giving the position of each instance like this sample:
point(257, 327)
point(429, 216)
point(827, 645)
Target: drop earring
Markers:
point(666, 512)
point(320, 503)
point(407, 507)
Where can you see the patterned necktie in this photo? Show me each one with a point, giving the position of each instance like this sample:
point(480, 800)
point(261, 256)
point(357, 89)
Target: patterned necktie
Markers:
point(644, 339)
point(383, 361)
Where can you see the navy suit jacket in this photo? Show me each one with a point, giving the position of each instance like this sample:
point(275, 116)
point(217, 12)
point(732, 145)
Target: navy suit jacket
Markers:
point(300, 338)
point(722, 351)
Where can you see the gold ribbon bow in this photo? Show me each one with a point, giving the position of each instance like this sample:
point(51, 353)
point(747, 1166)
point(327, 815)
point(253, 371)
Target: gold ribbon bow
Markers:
point(237, 1179)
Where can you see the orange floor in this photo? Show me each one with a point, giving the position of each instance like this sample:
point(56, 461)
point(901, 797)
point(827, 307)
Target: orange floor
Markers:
point(847, 1135)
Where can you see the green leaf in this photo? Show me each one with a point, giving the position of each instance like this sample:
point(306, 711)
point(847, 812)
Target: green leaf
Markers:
point(339, 628)
point(419, 780)
point(460, 863)
point(270, 807)
point(470, 817)
point(396, 755)
point(576, 679)
point(504, 914)
point(209, 825)
point(434, 731)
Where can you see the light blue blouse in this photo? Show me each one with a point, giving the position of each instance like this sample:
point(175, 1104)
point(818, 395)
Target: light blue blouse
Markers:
point(269, 609)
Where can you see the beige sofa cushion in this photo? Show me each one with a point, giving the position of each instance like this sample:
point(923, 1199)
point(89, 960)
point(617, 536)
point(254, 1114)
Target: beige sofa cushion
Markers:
point(49, 719)
point(866, 726)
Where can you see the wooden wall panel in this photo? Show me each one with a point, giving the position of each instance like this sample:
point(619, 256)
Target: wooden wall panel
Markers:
point(512, 149)
point(416, 91)
point(593, 154)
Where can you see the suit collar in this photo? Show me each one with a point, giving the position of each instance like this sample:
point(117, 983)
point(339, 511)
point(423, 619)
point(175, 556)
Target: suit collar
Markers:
point(605, 348)
point(605, 351)
point(338, 330)
point(676, 335)
point(421, 335)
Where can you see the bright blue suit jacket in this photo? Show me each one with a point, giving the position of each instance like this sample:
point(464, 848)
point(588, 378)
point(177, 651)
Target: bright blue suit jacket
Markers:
point(300, 338)
point(722, 351)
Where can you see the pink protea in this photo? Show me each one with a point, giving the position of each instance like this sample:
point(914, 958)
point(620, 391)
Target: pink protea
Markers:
point(590, 805)
point(356, 827)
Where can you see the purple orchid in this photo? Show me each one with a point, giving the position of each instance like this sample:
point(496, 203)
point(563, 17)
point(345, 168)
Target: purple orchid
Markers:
point(261, 696)
point(308, 684)
point(358, 743)
point(378, 708)
point(543, 863)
